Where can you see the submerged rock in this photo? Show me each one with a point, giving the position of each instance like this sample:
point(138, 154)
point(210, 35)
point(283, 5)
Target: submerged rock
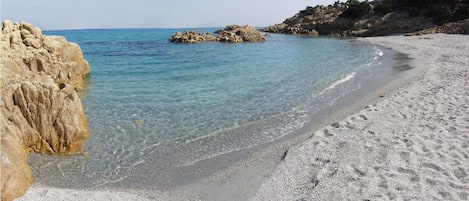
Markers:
point(231, 34)
point(40, 108)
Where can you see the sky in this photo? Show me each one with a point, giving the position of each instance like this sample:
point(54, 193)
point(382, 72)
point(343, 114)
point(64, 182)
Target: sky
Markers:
point(86, 14)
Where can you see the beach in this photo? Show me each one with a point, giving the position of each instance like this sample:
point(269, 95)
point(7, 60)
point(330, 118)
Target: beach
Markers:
point(411, 145)
point(408, 140)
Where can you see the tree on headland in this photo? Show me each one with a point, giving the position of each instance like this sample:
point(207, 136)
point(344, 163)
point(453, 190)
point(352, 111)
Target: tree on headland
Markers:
point(440, 10)
point(337, 3)
point(356, 9)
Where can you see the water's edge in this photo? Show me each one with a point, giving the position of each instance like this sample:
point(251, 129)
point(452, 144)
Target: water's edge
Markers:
point(210, 179)
point(159, 172)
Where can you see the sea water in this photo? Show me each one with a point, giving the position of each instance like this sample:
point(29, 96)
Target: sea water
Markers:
point(148, 98)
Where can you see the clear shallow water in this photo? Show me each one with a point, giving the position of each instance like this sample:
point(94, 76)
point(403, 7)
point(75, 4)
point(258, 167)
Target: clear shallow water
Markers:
point(191, 102)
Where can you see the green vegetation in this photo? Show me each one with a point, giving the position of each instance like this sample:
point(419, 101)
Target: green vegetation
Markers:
point(309, 10)
point(383, 8)
point(440, 10)
point(356, 9)
point(415, 3)
point(461, 13)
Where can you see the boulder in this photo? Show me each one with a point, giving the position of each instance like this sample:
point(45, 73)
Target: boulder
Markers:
point(40, 108)
point(36, 43)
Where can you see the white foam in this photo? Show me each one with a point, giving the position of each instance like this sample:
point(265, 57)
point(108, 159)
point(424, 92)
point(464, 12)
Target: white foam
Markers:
point(378, 53)
point(338, 82)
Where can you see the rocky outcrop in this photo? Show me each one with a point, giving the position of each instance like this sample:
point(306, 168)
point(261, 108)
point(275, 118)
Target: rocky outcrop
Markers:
point(460, 27)
point(39, 106)
point(237, 34)
point(308, 20)
point(375, 18)
point(328, 20)
point(192, 37)
point(231, 34)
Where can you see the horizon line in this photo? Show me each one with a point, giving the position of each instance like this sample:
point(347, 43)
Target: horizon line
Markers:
point(141, 28)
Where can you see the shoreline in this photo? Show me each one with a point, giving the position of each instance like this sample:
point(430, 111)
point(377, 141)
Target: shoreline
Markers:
point(412, 144)
point(249, 173)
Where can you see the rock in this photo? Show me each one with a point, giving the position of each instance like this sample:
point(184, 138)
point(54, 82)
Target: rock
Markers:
point(37, 33)
point(25, 33)
point(232, 34)
point(309, 21)
point(237, 33)
point(312, 32)
point(57, 49)
point(16, 41)
point(27, 26)
point(7, 26)
point(459, 27)
point(40, 108)
point(230, 37)
point(373, 18)
point(192, 37)
point(16, 176)
point(36, 43)
point(54, 43)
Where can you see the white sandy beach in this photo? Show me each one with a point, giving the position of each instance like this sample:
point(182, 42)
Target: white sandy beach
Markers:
point(413, 144)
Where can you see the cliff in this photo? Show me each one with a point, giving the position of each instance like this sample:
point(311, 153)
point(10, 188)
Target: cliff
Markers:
point(378, 18)
point(231, 34)
point(39, 106)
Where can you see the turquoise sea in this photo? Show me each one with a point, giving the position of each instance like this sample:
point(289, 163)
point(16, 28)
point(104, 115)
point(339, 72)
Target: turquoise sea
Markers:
point(153, 105)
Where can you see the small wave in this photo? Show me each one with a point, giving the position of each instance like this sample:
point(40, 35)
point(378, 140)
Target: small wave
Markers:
point(378, 54)
point(335, 84)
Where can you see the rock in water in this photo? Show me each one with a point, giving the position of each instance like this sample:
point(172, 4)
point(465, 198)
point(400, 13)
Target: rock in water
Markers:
point(191, 37)
point(39, 106)
point(237, 33)
point(231, 34)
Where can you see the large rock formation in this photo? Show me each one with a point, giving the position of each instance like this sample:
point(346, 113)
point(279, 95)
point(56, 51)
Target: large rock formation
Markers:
point(306, 21)
point(231, 34)
point(39, 106)
point(376, 18)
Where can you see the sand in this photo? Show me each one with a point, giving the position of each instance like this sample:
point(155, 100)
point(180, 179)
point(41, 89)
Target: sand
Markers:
point(412, 142)
point(412, 145)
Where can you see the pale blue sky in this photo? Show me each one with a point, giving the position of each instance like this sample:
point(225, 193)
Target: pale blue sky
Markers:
point(81, 14)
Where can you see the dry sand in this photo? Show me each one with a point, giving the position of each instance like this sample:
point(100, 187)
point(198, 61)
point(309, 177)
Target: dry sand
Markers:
point(412, 144)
